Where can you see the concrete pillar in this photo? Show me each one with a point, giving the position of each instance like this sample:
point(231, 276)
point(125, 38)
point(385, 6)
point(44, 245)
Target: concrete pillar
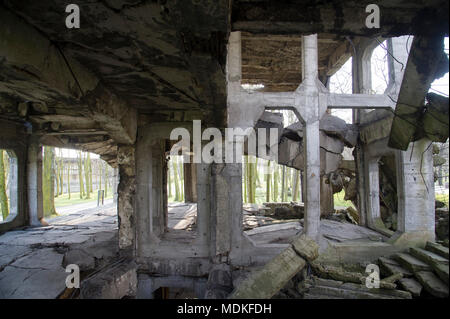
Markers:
point(310, 106)
point(151, 217)
point(13, 187)
point(362, 84)
point(372, 191)
point(312, 172)
point(126, 191)
point(34, 184)
point(190, 182)
point(416, 198)
point(203, 189)
point(158, 209)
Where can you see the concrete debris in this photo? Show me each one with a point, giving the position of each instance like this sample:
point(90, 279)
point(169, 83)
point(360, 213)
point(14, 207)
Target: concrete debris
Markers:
point(117, 281)
point(432, 284)
point(411, 285)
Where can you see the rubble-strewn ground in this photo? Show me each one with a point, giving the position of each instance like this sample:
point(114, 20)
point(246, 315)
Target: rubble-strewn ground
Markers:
point(33, 260)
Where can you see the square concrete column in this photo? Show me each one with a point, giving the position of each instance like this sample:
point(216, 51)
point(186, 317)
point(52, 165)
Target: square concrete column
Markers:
point(203, 189)
point(151, 219)
point(372, 187)
point(310, 105)
point(126, 191)
point(312, 174)
point(362, 83)
point(34, 184)
point(416, 198)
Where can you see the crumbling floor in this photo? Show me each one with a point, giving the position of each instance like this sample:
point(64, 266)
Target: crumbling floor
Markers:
point(182, 218)
point(33, 260)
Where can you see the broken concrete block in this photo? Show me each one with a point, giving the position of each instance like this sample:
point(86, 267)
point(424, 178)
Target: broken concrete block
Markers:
point(338, 273)
point(427, 256)
point(411, 263)
point(265, 283)
point(432, 284)
point(80, 258)
point(116, 282)
point(326, 289)
point(411, 285)
point(390, 267)
point(442, 271)
point(306, 247)
point(437, 249)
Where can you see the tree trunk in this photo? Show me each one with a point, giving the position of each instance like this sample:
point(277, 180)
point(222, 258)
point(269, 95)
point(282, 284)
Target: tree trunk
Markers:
point(55, 166)
point(250, 175)
point(275, 184)
point(91, 187)
point(68, 180)
point(295, 188)
point(3, 197)
point(87, 159)
point(61, 172)
point(100, 166)
point(80, 174)
point(268, 181)
point(245, 166)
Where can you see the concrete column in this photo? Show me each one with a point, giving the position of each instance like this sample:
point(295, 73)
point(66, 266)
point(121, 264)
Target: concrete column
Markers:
point(13, 187)
point(416, 199)
point(158, 209)
point(34, 184)
point(151, 214)
point(312, 172)
point(203, 189)
point(310, 106)
point(126, 191)
point(190, 182)
point(372, 191)
point(362, 84)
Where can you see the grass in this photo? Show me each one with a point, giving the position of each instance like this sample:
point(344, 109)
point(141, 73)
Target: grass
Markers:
point(63, 200)
point(443, 198)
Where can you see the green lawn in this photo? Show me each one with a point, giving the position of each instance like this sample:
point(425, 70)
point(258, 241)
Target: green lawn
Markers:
point(63, 200)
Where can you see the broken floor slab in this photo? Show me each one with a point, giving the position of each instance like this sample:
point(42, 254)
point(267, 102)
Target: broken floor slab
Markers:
point(33, 260)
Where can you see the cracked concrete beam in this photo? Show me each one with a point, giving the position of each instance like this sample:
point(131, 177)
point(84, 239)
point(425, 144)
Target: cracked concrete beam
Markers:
point(346, 18)
point(427, 62)
point(30, 56)
point(266, 282)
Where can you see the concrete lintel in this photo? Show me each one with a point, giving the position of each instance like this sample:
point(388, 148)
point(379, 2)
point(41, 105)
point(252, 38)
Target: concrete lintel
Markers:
point(360, 101)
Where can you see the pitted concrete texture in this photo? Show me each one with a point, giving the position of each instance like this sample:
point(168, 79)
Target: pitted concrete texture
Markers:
point(33, 260)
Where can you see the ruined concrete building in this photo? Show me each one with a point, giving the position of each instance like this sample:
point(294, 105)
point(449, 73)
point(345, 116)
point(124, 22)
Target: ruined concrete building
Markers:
point(133, 71)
